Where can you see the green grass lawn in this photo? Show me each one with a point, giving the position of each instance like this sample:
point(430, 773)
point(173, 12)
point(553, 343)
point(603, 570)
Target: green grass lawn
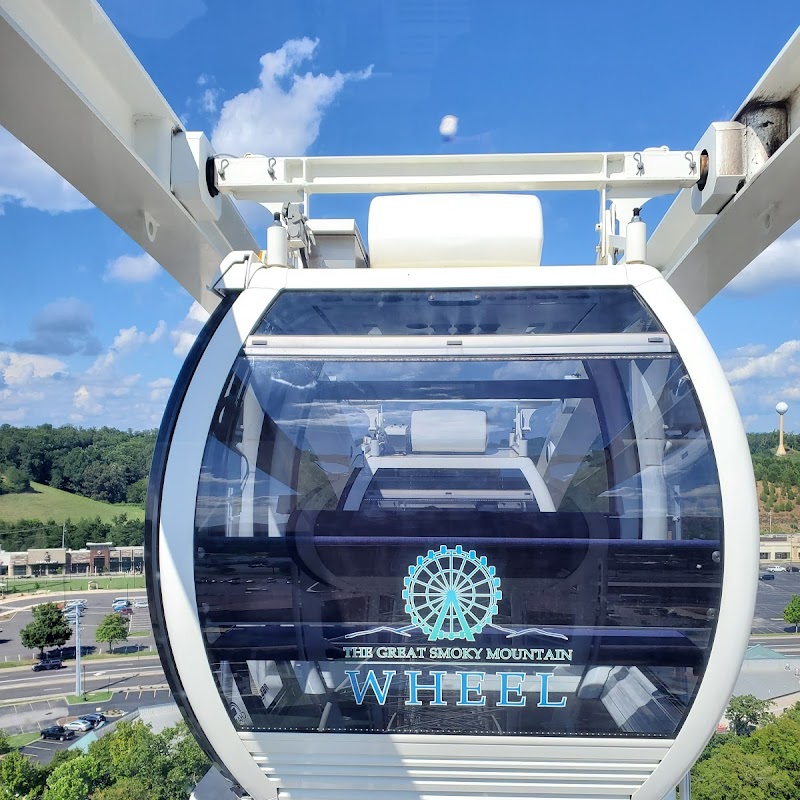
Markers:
point(50, 587)
point(18, 740)
point(46, 503)
point(92, 697)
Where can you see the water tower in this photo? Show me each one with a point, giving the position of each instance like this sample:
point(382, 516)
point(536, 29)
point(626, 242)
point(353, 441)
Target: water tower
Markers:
point(781, 408)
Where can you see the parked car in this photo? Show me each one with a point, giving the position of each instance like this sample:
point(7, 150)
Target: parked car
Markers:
point(58, 733)
point(73, 603)
point(79, 724)
point(767, 576)
point(776, 568)
point(140, 603)
point(794, 569)
point(121, 601)
point(48, 663)
point(97, 720)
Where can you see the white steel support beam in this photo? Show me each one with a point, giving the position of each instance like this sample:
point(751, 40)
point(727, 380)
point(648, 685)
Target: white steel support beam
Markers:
point(72, 91)
point(646, 173)
point(701, 253)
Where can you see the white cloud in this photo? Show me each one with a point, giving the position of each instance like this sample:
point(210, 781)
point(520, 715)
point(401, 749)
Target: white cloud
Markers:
point(107, 398)
point(84, 399)
point(29, 181)
point(275, 120)
point(18, 369)
point(92, 396)
point(126, 341)
point(778, 265)
point(208, 100)
point(760, 377)
point(776, 364)
point(132, 269)
point(184, 335)
point(159, 389)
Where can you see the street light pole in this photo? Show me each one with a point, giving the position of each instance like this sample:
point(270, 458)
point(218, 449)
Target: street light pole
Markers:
point(78, 673)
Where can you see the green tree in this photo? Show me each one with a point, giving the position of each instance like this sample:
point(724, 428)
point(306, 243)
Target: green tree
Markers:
point(112, 629)
point(75, 779)
point(792, 612)
point(187, 762)
point(137, 491)
point(716, 741)
point(779, 743)
point(48, 628)
point(124, 789)
point(106, 482)
point(16, 480)
point(163, 766)
point(20, 777)
point(733, 774)
point(746, 712)
point(4, 745)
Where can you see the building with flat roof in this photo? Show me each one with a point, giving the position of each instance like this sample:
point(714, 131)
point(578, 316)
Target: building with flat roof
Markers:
point(97, 558)
point(779, 548)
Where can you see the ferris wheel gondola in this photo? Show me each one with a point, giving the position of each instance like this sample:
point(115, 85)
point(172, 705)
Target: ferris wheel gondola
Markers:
point(457, 518)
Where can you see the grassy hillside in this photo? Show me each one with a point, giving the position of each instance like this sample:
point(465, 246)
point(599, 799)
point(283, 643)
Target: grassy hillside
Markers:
point(46, 503)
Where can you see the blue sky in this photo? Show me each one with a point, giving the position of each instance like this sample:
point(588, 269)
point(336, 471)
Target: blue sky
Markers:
point(92, 332)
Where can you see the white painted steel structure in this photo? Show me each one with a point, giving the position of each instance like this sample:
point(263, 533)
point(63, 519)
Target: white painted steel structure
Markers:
point(165, 188)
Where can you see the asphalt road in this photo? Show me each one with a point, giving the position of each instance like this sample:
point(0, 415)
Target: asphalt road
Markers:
point(105, 675)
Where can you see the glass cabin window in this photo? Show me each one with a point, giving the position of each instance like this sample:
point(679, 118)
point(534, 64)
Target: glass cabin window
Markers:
point(449, 312)
point(459, 545)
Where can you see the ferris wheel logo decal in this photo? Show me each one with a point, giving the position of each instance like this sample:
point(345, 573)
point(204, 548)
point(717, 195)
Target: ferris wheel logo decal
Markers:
point(451, 593)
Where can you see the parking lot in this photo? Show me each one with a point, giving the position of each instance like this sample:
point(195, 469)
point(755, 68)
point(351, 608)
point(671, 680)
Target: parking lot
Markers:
point(773, 597)
point(98, 602)
point(44, 750)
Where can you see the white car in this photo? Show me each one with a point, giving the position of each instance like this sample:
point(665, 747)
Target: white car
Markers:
point(776, 568)
point(79, 725)
point(140, 603)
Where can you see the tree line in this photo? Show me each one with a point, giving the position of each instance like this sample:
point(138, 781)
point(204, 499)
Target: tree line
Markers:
point(102, 463)
point(129, 763)
point(24, 534)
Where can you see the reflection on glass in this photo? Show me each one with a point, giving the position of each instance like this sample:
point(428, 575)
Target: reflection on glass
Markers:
point(467, 545)
point(448, 312)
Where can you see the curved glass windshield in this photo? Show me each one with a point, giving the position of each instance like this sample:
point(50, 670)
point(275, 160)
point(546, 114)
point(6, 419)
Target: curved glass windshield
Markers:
point(459, 544)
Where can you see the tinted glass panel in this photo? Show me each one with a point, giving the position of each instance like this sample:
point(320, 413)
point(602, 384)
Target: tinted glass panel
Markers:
point(493, 546)
point(442, 313)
